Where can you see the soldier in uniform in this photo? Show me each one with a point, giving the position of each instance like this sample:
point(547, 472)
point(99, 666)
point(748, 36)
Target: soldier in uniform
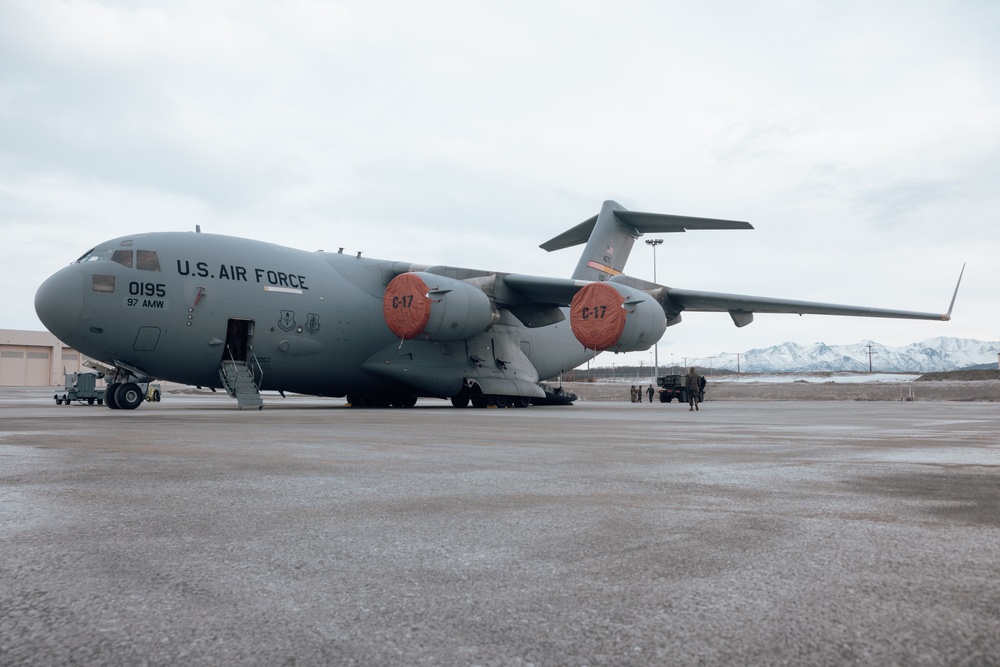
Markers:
point(693, 382)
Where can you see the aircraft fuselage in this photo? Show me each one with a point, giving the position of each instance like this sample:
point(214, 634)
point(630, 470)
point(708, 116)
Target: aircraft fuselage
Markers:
point(174, 305)
point(219, 311)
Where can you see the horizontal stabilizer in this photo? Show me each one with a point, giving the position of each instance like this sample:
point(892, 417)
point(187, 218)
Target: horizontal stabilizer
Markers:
point(641, 223)
point(658, 223)
point(575, 236)
point(610, 235)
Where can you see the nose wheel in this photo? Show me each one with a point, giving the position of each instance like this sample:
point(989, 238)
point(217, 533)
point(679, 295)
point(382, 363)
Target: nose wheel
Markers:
point(109, 395)
point(123, 396)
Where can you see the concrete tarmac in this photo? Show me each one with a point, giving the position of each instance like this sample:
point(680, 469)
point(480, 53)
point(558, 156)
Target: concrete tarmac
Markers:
point(309, 533)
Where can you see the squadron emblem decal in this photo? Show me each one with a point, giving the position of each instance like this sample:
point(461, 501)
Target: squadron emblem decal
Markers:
point(312, 323)
point(287, 321)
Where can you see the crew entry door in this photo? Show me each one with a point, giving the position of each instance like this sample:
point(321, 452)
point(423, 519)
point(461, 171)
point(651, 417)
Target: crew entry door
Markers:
point(239, 340)
point(239, 372)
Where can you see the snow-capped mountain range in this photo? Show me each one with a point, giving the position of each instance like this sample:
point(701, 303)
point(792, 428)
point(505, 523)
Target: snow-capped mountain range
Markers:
point(935, 354)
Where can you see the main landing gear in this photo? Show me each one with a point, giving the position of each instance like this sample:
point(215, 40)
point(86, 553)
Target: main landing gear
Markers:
point(481, 400)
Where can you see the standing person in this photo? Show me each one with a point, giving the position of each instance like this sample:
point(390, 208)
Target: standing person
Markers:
point(631, 393)
point(650, 392)
point(693, 383)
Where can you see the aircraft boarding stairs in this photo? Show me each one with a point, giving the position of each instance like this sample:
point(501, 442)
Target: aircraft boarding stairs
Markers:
point(241, 382)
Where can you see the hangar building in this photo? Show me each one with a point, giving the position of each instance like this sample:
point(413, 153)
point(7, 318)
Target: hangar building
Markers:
point(36, 359)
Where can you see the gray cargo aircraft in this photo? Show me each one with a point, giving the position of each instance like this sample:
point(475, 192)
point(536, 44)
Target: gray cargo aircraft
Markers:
point(225, 312)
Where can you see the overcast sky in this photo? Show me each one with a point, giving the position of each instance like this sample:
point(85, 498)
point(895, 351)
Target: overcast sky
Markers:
point(861, 139)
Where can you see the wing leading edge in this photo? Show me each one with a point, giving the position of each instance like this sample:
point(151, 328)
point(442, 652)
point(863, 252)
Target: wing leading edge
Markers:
point(741, 307)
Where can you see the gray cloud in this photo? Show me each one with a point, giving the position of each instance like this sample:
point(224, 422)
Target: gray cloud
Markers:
point(850, 135)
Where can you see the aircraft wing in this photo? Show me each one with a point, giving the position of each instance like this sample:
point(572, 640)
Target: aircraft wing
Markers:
point(741, 307)
point(538, 289)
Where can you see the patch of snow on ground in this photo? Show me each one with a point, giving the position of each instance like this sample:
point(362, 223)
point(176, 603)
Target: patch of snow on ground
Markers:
point(817, 378)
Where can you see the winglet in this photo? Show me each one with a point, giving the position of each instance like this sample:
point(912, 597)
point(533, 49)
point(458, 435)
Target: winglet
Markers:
point(947, 316)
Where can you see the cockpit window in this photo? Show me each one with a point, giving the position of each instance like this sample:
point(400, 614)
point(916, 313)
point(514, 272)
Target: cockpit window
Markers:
point(146, 260)
point(94, 255)
point(102, 283)
point(123, 257)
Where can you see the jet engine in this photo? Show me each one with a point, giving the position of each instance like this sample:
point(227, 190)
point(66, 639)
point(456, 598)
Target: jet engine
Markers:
point(606, 316)
point(439, 308)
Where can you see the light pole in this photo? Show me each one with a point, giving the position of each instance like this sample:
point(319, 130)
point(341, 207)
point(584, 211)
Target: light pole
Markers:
point(869, 346)
point(652, 243)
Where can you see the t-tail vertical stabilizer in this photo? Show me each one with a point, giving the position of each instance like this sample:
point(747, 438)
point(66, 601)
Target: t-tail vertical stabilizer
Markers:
point(610, 235)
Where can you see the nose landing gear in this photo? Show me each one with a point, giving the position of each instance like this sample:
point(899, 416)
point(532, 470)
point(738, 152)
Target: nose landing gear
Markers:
point(129, 389)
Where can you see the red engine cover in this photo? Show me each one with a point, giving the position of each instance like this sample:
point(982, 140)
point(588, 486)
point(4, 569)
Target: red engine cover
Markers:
point(406, 306)
point(597, 317)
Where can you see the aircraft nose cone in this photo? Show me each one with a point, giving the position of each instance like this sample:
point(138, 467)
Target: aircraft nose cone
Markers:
point(59, 302)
